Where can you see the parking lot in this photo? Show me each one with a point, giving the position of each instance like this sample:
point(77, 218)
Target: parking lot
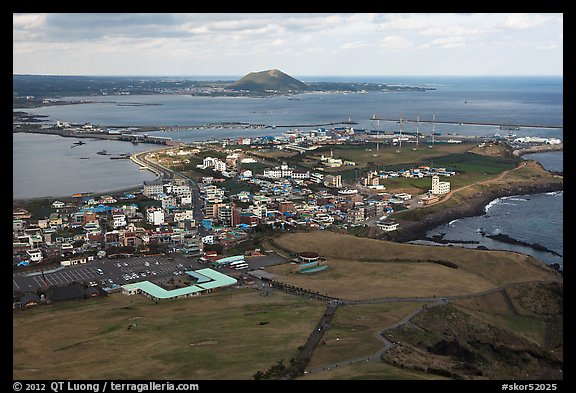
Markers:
point(115, 272)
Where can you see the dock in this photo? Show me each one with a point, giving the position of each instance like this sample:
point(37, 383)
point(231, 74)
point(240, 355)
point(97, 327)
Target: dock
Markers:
point(538, 149)
point(470, 123)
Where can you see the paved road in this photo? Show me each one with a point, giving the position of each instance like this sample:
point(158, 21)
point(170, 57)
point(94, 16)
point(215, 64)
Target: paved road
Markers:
point(166, 173)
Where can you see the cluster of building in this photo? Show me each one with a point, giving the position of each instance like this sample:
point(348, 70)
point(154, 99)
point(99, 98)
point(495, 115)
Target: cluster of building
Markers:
point(84, 228)
point(538, 140)
point(165, 215)
point(288, 201)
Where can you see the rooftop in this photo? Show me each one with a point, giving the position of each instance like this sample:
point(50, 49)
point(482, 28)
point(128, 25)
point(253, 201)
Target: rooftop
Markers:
point(207, 279)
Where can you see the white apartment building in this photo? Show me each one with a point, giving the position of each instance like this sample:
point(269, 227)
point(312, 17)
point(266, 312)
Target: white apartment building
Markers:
point(182, 215)
point(153, 187)
point(439, 187)
point(155, 216)
point(119, 220)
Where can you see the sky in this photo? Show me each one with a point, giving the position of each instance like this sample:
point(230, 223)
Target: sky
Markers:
point(339, 44)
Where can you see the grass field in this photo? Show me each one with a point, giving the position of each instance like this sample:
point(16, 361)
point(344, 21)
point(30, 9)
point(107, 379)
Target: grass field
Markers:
point(218, 336)
point(387, 155)
point(354, 331)
point(530, 307)
point(370, 371)
point(397, 273)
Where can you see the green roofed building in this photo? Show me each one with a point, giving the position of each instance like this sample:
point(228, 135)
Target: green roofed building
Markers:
point(207, 280)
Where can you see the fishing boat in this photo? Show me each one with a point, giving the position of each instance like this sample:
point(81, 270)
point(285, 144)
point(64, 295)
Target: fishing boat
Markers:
point(79, 143)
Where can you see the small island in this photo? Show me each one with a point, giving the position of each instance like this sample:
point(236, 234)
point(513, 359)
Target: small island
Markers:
point(32, 91)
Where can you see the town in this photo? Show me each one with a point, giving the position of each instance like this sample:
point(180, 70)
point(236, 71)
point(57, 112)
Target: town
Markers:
point(221, 197)
point(162, 215)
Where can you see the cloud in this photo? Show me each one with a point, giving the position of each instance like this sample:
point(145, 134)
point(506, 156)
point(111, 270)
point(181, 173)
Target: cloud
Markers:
point(238, 40)
point(394, 42)
point(458, 30)
point(354, 45)
point(27, 21)
point(549, 46)
point(525, 21)
point(446, 43)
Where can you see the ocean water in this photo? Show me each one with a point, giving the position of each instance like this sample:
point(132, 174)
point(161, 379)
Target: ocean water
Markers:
point(46, 165)
point(551, 161)
point(535, 218)
point(503, 100)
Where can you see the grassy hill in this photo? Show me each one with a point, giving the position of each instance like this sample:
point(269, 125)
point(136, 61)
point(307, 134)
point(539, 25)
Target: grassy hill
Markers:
point(513, 333)
point(397, 269)
point(268, 80)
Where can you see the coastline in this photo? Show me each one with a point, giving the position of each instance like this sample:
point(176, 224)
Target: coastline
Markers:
point(474, 207)
point(132, 189)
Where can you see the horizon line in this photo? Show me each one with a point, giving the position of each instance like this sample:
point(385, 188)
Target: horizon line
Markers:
point(302, 76)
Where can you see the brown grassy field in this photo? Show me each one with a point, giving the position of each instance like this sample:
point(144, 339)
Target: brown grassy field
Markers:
point(354, 330)
point(217, 336)
point(370, 371)
point(350, 277)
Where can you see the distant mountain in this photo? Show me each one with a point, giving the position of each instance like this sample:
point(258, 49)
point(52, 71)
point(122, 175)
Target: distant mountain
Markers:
point(268, 80)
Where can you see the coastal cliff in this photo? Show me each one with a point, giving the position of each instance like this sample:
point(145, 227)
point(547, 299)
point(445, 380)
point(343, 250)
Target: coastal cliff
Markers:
point(473, 206)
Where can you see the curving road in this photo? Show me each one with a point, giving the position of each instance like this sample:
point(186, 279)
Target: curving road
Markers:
point(162, 172)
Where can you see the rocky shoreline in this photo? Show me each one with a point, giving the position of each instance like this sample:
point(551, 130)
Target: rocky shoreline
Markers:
point(502, 237)
point(416, 230)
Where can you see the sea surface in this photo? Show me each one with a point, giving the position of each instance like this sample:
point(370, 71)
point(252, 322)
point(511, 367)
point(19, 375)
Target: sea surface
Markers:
point(535, 218)
point(498, 100)
point(47, 165)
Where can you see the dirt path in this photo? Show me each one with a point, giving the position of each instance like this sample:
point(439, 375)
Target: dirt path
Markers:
point(497, 178)
point(406, 320)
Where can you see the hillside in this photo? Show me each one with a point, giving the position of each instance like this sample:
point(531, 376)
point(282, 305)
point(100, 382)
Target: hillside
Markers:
point(268, 80)
point(499, 314)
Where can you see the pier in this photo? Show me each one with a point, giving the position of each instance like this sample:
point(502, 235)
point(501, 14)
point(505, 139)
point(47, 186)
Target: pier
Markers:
point(224, 125)
point(538, 149)
point(470, 123)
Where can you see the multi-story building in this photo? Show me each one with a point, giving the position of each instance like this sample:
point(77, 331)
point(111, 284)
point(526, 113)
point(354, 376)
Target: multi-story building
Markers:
point(168, 201)
point(316, 177)
point(282, 171)
point(119, 220)
point(228, 215)
point(184, 198)
point(300, 174)
point(181, 215)
point(355, 215)
point(273, 173)
point(155, 216)
point(439, 187)
point(333, 181)
point(153, 187)
point(220, 166)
